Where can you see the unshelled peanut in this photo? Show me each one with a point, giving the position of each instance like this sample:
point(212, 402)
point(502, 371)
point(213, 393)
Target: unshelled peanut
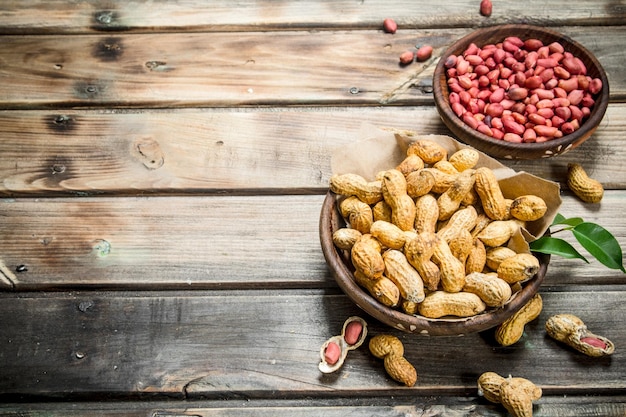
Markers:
point(388, 234)
point(460, 304)
point(496, 255)
point(356, 185)
point(357, 213)
point(394, 188)
point(366, 255)
point(406, 278)
point(511, 330)
point(418, 251)
point(382, 289)
point(390, 349)
point(464, 218)
point(346, 237)
point(586, 188)
point(450, 201)
point(429, 151)
point(464, 159)
point(381, 211)
point(426, 213)
point(498, 232)
point(528, 208)
point(443, 180)
point(452, 270)
point(410, 164)
point(514, 393)
point(477, 257)
point(419, 183)
point(490, 193)
point(461, 245)
point(519, 267)
point(494, 291)
point(571, 330)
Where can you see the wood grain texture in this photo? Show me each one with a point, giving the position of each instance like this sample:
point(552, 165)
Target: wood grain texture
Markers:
point(230, 345)
point(207, 242)
point(431, 406)
point(243, 69)
point(188, 15)
point(162, 170)
point(191, 151)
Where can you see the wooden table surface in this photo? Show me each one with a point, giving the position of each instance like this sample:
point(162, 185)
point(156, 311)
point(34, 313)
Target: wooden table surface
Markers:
point(162, 170)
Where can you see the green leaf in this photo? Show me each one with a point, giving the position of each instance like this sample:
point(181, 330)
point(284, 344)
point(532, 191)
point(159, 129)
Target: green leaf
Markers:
point(600, 243)
point(559, 219)
point(556, 246)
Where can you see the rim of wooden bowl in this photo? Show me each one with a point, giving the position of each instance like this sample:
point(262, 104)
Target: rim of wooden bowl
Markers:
point(341, 269)
point(506, 150)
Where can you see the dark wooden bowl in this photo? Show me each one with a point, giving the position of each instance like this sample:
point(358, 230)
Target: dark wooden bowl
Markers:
point(341, 268)
point(506, 150)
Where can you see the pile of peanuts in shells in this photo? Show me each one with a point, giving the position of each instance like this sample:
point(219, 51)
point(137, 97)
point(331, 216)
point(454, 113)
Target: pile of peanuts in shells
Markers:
point(520, 90)
point(429, 237)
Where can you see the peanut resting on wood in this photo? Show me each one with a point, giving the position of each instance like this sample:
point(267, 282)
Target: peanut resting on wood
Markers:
point(587, 189)
point(512, 329)
point(390, 349)
point(572, 331)
point(515, 394)
point(333, 352)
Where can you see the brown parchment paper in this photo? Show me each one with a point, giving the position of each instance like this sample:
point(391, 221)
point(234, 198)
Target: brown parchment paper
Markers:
point(384, 148)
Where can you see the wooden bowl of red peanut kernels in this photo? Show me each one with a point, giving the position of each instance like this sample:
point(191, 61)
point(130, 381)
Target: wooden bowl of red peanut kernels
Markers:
point(476, 89)
point(342, 270)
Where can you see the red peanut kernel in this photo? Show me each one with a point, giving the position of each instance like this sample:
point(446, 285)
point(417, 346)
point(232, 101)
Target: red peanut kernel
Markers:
point(332, 353)
point(407, 57)
point(353, 332)
point(390, 26)
point(424, 53)
point(595, 342)
point(486, 8)
point(521, 90)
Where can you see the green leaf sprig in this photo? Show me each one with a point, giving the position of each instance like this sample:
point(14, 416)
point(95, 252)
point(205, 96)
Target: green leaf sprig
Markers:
point(598, 241)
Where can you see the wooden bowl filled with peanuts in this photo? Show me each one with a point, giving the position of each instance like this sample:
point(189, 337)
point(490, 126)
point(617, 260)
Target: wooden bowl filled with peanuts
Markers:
point(436, 243)
point(520, 91)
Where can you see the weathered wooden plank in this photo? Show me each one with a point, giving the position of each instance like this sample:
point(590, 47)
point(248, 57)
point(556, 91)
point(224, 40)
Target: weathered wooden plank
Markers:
point(256, 344)
point(82, 152)
point(206, 242)
point(463, 406)
point(235, 69)
point(118, 16)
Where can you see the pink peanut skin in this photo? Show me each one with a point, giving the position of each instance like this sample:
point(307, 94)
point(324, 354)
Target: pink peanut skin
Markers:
point(390, 25)
point(486, 8)
point(353, 332)
point(541, 92)
point(407, 57)
point(332, 353)
point(424, 53)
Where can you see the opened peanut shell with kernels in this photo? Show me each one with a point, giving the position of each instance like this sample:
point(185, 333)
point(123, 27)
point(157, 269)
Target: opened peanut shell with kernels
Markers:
point(431, 235)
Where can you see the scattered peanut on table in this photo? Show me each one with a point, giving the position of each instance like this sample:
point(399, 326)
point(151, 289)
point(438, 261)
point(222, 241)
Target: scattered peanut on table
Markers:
point(333, 352)
point(432, 233)
point(512, 329)
point(514, 393)
point(587, 189)
point(390, 349)
point(572, 331)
